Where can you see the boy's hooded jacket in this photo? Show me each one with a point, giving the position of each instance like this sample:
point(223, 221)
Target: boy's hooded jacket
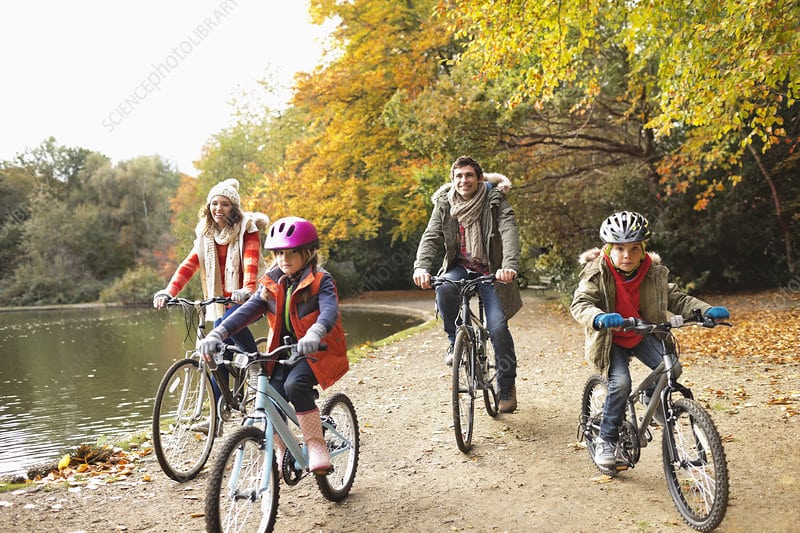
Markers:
point(500, 233)
point(596, 293)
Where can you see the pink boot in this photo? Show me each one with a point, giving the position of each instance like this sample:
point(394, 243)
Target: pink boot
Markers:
point(319, 460)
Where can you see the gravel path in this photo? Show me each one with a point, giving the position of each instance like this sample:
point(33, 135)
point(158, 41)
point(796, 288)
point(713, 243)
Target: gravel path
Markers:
point(525, 472)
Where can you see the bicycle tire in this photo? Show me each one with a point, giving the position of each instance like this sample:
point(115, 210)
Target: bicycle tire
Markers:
point(181, 450)
point(698, 480)
point(463, 391)
point(592, 401)
point(491, 399)
point(233, 494)
point(338, 410)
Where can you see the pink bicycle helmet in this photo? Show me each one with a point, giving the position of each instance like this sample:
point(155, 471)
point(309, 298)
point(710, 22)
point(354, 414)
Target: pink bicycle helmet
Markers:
point(291, 232)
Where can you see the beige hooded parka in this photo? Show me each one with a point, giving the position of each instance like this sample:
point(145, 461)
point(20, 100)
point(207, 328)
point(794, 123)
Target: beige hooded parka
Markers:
point(596, 293)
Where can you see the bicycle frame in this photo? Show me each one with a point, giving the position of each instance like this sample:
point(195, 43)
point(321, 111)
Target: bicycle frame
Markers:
point(471, 323)
point(665, 384)
point(270, 409)
point(227, 394)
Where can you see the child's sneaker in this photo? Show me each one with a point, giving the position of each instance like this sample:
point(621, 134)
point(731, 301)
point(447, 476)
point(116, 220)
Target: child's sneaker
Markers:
point(605, 455)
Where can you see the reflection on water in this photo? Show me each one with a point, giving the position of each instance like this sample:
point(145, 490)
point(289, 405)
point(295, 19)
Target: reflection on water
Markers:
point(71, 376)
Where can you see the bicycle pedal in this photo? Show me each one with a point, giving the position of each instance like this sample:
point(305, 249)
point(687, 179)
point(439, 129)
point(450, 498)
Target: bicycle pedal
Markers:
point(323, 472)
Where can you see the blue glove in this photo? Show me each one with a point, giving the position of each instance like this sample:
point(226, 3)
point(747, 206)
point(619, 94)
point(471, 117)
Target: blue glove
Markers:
point(608, 320)
point(718, 313)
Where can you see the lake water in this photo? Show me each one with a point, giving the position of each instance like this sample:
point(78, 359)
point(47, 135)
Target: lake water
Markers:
point(72, 375)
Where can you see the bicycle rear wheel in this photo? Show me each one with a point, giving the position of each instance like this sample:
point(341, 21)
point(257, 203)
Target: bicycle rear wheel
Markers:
point(463, 390)
point(184, 420)
point(698, 477)
point(237, 499)
point(338, 411)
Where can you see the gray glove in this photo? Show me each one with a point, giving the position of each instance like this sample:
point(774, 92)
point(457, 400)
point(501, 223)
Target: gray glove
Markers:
point(310, 341)
point(240, 296)
point(161, 298)
point(212, 344)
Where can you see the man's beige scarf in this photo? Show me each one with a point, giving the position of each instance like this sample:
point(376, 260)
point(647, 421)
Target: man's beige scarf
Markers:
point(468, 214)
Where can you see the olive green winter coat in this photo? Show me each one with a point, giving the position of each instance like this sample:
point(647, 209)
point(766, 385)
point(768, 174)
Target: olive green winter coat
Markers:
point(596, 293)
point(501, 240)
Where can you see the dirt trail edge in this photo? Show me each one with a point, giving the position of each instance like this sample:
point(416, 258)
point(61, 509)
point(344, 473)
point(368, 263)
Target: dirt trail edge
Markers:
point(525, 472)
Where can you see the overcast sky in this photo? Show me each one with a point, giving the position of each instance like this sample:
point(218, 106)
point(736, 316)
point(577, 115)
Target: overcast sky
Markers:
point(141, 78)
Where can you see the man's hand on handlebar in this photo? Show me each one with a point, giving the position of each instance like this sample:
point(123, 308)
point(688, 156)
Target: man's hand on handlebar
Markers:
point(422, 278)
point(505, 275)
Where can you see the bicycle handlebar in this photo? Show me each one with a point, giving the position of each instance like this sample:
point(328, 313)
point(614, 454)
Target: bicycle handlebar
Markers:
point(643, 327)
point(274, 356)
point(463, 284)
point(177, 300)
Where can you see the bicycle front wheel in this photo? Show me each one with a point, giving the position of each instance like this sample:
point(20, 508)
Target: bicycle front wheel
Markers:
point(697, 477)
point(184, 420)
point(338, 413)
point(490, 398)
point(238, 498)
point(463, 391)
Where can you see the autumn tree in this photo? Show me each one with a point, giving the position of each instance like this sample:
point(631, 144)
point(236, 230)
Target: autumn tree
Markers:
point(348, 171)
point(706, 80)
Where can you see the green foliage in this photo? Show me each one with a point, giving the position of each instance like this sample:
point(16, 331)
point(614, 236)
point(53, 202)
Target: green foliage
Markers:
point(345, 276)
point(76, 222)
point(136, 286)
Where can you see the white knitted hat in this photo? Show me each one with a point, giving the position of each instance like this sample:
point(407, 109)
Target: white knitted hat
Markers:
point(228, 188)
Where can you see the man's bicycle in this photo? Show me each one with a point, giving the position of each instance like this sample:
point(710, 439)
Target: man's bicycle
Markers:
point(186, 418)
point(474, 371)
point(243, 487)
point(691, 448)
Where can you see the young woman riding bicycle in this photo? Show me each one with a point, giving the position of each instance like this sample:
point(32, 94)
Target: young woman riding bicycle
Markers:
point(227, 253)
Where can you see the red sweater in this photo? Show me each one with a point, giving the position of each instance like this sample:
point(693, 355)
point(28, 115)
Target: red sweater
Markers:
point(247, 277)
point(627, 300)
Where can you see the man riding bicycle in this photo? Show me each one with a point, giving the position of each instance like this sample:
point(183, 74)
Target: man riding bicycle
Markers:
point(476, 224)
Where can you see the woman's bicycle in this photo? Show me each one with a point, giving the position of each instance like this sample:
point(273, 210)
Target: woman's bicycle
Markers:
point(474, 370)
point(186, 418)
point(243, 487)
point(691, 448)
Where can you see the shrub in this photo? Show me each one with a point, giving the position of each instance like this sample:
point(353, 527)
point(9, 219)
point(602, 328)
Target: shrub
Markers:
point(136, 286)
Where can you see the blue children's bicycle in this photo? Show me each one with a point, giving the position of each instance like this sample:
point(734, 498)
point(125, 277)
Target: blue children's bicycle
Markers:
point(243, 488)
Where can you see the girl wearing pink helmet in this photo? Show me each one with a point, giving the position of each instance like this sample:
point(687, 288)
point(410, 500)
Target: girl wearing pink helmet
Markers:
point(301, 302)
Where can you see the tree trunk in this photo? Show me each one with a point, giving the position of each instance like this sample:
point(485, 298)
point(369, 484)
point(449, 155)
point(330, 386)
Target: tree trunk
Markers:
point(787, 236)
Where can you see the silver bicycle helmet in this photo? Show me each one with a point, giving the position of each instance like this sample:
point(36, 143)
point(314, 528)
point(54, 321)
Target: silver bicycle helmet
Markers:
point(625, 226)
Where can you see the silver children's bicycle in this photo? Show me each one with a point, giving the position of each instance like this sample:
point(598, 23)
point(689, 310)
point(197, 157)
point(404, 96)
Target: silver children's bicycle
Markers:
point(691, 448)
